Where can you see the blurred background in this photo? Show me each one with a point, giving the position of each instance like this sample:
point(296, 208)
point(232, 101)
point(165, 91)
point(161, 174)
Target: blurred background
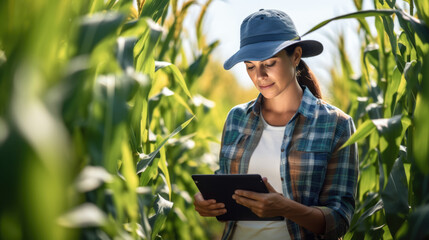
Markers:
point(107, 107)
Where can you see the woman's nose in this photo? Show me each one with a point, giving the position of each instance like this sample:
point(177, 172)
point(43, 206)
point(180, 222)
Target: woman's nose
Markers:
point(261, 73)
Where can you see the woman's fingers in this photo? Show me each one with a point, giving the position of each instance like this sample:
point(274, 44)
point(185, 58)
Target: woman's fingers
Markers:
point(262, 204)
point(245, 198)
point(208, 208)
point(206, 204)
point(211, 206)
point(198, 197)
point(210, 211)
point(249, 194)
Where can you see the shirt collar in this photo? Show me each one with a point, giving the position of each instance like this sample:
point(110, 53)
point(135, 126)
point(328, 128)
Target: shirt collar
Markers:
point(306, 108)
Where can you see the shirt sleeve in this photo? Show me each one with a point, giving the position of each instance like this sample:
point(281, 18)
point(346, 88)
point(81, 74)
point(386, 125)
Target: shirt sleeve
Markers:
point(337, 199)
point(223, 169)
point(222, 164)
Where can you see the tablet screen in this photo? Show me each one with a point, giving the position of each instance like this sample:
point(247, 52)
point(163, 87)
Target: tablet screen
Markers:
point(222, 187)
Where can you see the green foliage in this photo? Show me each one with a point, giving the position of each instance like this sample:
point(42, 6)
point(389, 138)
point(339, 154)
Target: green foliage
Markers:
point(388, 102)
point(99, 132)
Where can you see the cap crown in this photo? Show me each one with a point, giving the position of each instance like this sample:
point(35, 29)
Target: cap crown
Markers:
point(267, 25)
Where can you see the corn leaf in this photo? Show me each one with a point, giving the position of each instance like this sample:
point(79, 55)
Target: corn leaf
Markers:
point(388, 127)
point(358, 4)
point(95, 28)
point(199, 24)
point(362, 132)
point(92, 177)
point(182, 102)
point(162, 207)
point(162, 164)
point(85, 215)
point(161, 64)
point(110, 4)
point(421, 140)
point(395, 197)
point(391, 3)
point(391, 95)
point(145, 61)
point(359, 14)
point(368, 174)
point(125, 52)
point(368, 213)
point(154, 9)
point(418, 223)
point(423, 10)
point(388, 28)
point(128, 170)
point(197, 68)
point(392, 131)
point(156, 100)
point(97, 5)
point(411, 73)
point(145, 160)
point(178, 77)
point(412, 25)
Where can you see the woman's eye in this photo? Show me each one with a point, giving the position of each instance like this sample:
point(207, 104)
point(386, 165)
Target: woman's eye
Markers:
point(250, 67)
point(270, 64)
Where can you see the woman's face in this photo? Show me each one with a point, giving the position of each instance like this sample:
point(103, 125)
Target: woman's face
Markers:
point(274, 75)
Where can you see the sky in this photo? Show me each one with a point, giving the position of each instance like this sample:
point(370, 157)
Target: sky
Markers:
point(224, 18)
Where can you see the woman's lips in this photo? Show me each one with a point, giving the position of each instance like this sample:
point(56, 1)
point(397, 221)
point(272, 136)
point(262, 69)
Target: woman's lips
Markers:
point(266, 86)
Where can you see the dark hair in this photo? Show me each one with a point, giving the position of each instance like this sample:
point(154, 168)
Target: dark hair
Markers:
point(304, 75)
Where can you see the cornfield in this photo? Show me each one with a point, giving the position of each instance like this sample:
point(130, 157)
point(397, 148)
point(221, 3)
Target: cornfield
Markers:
point(388, 102)
point(104, 117)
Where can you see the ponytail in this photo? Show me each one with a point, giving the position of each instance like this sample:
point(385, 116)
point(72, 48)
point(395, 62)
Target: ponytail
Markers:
point(305, 76)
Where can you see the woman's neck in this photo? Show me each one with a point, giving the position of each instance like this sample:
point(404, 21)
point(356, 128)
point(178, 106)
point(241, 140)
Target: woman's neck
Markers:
point(288, 101)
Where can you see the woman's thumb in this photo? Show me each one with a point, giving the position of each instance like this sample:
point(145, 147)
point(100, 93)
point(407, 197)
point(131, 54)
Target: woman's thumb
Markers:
point(269, 187)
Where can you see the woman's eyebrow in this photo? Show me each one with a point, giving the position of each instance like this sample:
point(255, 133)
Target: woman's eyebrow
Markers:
point(275, 56)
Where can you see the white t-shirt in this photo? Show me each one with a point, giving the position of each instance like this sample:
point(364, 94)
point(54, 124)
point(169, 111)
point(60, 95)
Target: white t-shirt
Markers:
point(265, 161)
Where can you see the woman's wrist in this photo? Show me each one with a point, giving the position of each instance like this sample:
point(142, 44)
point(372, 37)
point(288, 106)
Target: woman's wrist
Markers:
point(311, 218)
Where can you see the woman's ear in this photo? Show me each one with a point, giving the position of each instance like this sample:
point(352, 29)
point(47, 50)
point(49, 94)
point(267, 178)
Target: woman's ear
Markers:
point(297, 53)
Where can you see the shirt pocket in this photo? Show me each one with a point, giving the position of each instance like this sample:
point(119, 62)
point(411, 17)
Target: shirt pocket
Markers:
point(307, 167)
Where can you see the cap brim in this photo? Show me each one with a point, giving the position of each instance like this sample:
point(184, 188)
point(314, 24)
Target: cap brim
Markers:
point(264, 50)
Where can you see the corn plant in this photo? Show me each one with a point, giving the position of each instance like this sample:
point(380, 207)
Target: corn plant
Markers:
point(100, 125)
point(388, 102)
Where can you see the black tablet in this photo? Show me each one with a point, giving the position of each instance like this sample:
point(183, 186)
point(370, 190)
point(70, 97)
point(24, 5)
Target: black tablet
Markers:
point(222, 187)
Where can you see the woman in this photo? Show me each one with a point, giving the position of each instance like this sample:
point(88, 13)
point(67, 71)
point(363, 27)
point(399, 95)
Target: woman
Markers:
point(289, 136)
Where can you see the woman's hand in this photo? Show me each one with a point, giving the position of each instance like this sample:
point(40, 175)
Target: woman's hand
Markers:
point(270, 204)
point(208, 208)
point(274, 204)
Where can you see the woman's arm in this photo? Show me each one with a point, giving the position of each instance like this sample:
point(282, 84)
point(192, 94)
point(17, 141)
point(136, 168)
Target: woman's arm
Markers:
point(337, 197)
point(275, 204)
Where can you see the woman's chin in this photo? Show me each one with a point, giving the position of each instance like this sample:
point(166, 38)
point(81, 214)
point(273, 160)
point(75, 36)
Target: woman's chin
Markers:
point(268, 95)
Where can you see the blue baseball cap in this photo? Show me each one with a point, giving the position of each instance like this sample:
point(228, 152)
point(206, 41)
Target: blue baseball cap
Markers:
point(265, 33)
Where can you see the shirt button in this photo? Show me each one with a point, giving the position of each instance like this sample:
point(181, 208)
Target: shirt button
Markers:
point(283, 149)
point(283, 179)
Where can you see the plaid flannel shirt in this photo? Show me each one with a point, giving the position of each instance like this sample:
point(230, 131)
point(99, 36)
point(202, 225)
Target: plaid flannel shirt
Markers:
point(314, 170)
